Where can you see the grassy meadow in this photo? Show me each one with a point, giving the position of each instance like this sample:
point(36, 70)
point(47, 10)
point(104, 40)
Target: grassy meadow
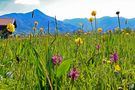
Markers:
point(82, 62)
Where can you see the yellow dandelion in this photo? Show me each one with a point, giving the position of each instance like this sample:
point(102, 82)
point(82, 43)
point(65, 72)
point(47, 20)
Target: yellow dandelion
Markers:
point(34, 28)
point(91, 19)
point(35, 23)
point(79, 41)
point(93, 13)
point(41, 29)
point(99, 30)
point(10, 27)
point(117, 68)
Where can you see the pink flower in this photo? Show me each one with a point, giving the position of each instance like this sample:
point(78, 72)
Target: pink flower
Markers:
point(74, 74)
point(98, 46)
point(114, 57)
point(56, 59)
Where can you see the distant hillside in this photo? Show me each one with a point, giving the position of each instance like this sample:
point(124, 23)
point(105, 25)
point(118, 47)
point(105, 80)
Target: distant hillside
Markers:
point(25, 22)
point(107, 23)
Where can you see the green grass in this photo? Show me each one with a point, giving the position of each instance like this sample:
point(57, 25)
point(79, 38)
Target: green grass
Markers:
point(26, 64)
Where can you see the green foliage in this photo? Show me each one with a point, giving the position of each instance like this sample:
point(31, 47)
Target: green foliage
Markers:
point(63, 68)
point(26, 64)
point(127, 30)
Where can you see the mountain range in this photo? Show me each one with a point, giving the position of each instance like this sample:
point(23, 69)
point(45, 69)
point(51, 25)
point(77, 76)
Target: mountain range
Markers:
point(25, 22)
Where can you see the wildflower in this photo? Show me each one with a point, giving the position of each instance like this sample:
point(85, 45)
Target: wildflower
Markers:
point(110, 31)
point(10, 27)
point(120, 88)
point(78, 41)
point(91, 19)
point(114, 57)
point(118, 18)
point(56, 59)
point(98, 46)
point(41, 29)
point(104, 61)
point(93, 13)
point(34, 28)
point(117, 68)
point(35, 23)
point(74, 74)
point(127, 34)
point(99, 30)
point(108, 62)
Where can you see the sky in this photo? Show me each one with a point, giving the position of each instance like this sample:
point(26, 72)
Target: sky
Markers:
point(68, 9)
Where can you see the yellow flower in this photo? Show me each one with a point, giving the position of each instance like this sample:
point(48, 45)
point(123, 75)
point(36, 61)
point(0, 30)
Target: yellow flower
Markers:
point(127, 34)
point(93, 13)
point(35, 23)
point(117, 68)
point(108, 62)
point(79, 41)
point(41, 29)
point(91, 19)
point(99, 30)
point(34, 28)
point(10, 27)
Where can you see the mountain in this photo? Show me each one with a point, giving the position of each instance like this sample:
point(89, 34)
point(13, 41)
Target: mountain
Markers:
point(107, 23)
point(25, 22)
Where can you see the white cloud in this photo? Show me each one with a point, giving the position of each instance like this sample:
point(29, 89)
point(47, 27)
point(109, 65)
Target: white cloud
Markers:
point(27, 2)
point(82, 8)
point(67, 9)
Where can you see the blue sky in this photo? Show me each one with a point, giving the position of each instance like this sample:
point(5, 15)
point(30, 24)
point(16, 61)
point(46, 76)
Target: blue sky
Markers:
point(67, 9)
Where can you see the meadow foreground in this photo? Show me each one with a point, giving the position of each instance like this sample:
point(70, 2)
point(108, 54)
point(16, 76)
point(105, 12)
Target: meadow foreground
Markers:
point(84, 61)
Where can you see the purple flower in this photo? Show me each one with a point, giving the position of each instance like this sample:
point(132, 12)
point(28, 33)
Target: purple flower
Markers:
point(74, 74)
point(114, 57)
point(98, 46)
point(56, 59)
